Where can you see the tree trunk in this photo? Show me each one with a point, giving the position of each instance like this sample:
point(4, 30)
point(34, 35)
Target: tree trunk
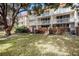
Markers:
point(9, 28)
point(8, 31)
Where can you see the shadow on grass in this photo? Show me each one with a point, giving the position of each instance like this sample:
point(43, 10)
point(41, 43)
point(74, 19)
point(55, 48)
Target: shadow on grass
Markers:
point(24, 44)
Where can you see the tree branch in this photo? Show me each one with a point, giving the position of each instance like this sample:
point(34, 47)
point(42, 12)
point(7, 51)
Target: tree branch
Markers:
point(4, 14)
point(16, 12)
point(14, 15)
point(1, 23)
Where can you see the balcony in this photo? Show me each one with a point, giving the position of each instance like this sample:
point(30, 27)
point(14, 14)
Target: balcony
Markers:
point(45, 14)
point(44, 22)
point(62, 10)
point(32, 22)
point(58, 21)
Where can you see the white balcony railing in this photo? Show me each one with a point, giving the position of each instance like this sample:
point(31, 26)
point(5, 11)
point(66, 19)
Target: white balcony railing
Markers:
point(45, 14)
point(62, 10)
point(65, 20)
point(44, 22)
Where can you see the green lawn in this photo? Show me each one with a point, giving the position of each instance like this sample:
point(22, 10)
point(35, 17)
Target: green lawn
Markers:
point(39, 45)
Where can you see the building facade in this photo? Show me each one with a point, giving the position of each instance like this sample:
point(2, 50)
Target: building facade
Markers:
point(62, 17)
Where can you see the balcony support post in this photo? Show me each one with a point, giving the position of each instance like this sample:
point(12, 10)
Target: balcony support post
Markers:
point(51, 21)
point(76, 19)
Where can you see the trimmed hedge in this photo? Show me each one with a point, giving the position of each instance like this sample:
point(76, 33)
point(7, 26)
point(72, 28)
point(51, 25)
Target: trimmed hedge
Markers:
point(22, 30)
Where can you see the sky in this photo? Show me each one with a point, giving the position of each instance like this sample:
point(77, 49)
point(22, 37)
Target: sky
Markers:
point(22, 12)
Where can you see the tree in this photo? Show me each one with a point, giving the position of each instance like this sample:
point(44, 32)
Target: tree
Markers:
point(9, 13)
point(68, 4)
point(51, 5)
point(37, 8)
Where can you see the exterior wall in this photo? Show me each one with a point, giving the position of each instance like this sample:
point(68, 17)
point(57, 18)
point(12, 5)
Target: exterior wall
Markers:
point(35, 22)
point(23, 21)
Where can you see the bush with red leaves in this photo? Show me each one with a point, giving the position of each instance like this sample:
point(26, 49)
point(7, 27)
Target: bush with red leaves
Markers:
point(77, 30)
point(58, 30)
point(41, 30)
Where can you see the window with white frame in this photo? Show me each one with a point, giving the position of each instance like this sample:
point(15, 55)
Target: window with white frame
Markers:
point(63, 18)
point(45, 20)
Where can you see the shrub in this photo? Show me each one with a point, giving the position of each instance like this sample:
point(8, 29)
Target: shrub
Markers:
point(22, 30)
point(41, 30)
point(52, 30)
point(77, 31)
point(58, 30)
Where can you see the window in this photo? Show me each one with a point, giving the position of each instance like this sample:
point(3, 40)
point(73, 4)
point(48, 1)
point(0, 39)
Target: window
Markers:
point(63, 16)
point(44, 19)
point(31, 20)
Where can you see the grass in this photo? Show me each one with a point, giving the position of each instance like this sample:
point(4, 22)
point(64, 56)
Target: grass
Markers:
point(39, 45)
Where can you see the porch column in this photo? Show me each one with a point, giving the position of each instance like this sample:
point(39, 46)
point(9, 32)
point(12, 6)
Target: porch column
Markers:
point(76, 20)
point(73, 22)
point(37, 23)
point(51, 21)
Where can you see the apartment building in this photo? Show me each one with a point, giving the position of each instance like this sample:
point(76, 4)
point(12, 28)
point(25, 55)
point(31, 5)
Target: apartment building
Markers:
point(62, 17)
point(22, 20)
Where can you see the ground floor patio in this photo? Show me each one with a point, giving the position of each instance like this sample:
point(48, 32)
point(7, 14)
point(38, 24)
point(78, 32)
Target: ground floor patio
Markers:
point(71, 27)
